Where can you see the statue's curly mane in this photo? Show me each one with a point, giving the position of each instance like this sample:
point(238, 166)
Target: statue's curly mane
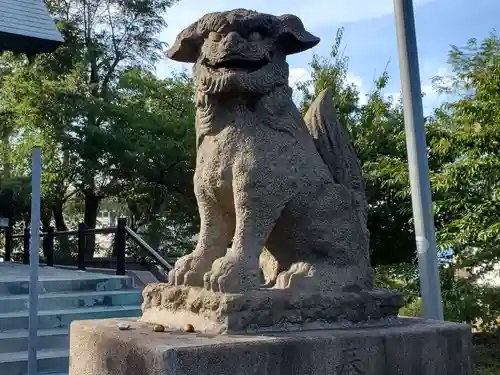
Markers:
point(276, 109)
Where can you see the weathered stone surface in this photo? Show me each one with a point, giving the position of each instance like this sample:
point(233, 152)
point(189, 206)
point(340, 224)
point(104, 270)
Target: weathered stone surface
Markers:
point(414, 347)
point(264, 177)
point(266, 309)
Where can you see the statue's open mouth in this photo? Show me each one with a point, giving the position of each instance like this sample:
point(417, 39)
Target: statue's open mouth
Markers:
point(241, 64)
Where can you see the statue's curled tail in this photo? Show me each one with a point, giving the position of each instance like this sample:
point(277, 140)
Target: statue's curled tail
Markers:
point(336, 149)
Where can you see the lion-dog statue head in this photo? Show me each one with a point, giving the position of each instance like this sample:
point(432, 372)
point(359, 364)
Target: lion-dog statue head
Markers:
point(241, 51)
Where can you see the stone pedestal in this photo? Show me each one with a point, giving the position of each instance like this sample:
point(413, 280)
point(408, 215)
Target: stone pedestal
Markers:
point(266, 309)
point(404, 347)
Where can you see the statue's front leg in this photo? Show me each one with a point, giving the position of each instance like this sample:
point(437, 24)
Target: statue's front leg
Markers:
point(216, 231)
point(256, 213)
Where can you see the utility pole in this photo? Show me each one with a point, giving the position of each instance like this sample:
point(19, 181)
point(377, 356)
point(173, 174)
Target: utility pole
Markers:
point(417, 160)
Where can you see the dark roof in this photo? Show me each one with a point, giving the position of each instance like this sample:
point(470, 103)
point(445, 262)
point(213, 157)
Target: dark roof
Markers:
point(27, 27)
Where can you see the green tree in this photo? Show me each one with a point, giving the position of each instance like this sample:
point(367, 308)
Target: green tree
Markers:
point(463, 138)
point(467, 186)
point(73, 104)
point(158, 156)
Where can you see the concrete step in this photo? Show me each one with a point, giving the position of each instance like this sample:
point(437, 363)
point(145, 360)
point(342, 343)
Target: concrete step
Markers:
point(49, 361)
point(68, 300)
point(48, 319)
point(17, 340)
point(81, 281)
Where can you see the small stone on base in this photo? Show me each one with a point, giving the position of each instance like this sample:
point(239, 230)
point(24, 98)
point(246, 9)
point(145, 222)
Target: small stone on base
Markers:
point(158, 328)
point(123, 326)
point(189, 328)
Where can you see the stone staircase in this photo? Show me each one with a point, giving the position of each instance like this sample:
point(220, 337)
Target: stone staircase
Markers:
point(64, 297)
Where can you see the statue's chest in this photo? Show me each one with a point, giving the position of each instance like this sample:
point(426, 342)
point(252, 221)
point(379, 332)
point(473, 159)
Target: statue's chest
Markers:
point(218, 154)
point(243, 151)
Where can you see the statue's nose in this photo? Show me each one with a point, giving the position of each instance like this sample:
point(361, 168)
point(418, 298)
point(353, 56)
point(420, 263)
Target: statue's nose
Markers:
point(232, 40)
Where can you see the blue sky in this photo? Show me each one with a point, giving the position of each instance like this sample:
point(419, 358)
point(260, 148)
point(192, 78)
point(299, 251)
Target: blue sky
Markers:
point(369, 37)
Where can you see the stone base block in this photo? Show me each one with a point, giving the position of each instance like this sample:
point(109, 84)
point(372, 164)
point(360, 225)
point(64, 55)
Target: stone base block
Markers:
point(266, 309)
point(412, 347)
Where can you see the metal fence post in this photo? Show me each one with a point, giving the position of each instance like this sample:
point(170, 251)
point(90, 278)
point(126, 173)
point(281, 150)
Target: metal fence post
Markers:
point(120, 240)
point(82, 241)
point(8, 243)
point(26, 246)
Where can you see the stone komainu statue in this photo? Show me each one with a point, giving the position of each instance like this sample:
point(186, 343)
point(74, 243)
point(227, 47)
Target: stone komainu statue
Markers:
point(264, 176)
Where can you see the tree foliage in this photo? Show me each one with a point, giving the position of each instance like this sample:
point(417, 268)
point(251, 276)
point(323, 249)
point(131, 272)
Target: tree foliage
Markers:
point(108, 127)
point(467, 183)
point(467, 187)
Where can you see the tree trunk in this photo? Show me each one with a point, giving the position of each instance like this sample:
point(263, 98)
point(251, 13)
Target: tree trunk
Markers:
point(45, 219)
point(64, 244)
point(59, 217)
point(92, 202)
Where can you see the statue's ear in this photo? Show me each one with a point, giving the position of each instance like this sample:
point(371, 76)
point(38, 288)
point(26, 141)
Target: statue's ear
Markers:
point(187, 45)
point(293, 37)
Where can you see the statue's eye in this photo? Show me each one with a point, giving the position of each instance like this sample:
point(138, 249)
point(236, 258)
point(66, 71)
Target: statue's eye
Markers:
point(255, 36)
point(216, 37)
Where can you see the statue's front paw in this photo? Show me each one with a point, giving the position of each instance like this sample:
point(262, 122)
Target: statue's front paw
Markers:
point(230, 274)
point(185, 272)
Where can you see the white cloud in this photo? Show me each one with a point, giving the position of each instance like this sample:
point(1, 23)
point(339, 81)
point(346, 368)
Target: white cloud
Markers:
point(298, 75)
point(355, 80)
point(358, 82)
point(432, 97)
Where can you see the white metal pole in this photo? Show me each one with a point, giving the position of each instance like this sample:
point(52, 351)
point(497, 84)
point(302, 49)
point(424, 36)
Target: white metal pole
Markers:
point(417, 160)
point(36, 174)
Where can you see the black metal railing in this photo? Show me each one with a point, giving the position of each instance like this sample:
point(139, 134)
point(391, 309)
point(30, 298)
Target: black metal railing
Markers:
point(48, 235)
point(152, 252)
